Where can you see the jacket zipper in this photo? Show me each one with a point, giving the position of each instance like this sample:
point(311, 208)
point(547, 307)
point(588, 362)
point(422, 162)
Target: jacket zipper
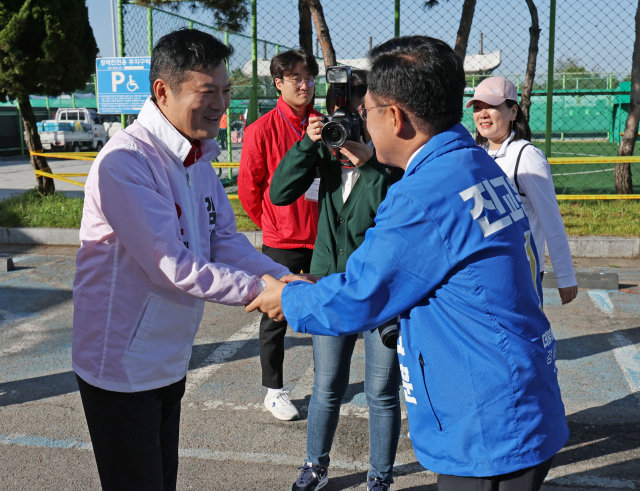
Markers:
point(194, 221)
point(424, 381)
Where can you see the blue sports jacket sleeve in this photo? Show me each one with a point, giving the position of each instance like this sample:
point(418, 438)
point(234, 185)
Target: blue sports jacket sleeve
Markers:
point(383, 277)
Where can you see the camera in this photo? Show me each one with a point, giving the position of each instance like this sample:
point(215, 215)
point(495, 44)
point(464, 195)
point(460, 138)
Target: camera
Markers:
point(342, 125)
point(389, 333)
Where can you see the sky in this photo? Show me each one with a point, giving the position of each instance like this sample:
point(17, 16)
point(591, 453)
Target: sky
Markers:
point(600, 40)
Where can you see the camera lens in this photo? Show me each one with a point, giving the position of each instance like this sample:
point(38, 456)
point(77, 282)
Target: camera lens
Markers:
point(334, 134)
point(389, 335)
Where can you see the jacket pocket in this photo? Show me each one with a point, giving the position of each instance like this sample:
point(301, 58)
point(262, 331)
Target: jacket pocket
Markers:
point(426, 390)
point(161, 346)
point(138, 322)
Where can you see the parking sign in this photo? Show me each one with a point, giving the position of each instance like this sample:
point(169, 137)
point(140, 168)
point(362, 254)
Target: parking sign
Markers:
point(123, 84)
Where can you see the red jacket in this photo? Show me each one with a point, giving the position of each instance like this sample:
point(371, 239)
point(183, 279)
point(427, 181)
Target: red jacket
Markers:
point(265, 143)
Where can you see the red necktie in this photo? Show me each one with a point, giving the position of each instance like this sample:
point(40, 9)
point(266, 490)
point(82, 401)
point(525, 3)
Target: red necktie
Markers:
point(194, 154)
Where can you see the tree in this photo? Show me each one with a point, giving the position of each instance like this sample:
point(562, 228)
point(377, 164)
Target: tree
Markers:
point(46, 48)
point(462, 38)
point(534, 37)
point(622, 173)
point(322, 30)
point(229, 15)
point(305, 31)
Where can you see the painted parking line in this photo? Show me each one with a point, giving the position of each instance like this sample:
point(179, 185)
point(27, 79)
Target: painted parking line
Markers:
point(629, 360)
point(221, 355)
point(602, 301)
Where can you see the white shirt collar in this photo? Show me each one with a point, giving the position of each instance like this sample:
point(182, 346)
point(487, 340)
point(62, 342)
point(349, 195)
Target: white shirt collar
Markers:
point(502, 151)
point(152, 119)
point(411, 159)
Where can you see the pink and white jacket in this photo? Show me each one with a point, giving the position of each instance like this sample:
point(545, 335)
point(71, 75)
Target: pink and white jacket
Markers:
point(158, 240)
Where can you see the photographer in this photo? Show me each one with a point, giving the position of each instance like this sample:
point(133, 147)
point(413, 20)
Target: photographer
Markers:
point(350, 191)
point(451, 253)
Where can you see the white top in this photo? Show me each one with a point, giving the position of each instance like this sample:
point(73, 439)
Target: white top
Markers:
point(350, 176)
point(540, 204)
point(158, 240)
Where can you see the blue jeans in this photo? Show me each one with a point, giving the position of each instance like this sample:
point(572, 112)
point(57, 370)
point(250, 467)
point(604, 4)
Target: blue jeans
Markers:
point(332, 358)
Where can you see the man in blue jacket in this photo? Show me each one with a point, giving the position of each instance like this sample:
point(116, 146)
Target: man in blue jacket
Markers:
point(452, 255)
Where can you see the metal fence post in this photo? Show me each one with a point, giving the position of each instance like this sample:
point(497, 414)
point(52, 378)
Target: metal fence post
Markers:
point(229, 149)
point(190, 24)
point(73, 100)
point(397, 19)
point(123, 118)
point(48, 108)
point(150, 28)
point(552, 35)
point(20, 128)
point(253, 99)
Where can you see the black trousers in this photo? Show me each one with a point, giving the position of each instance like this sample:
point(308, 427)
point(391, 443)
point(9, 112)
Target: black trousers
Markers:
point(272, 332)
point(134, 436)
point(530, 479)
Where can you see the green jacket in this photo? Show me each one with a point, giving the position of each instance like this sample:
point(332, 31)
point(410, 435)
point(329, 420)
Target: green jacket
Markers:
point(341, 226)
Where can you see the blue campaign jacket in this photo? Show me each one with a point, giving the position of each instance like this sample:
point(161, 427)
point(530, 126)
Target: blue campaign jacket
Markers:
point(452, 254)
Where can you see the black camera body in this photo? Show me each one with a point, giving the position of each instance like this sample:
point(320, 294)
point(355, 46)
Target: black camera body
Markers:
point(342, 125)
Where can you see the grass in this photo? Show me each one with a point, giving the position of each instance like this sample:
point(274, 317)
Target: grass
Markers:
point(32, 210)
point(57, 211)
point(607, 217)
point(616, 217)
point(242, 219)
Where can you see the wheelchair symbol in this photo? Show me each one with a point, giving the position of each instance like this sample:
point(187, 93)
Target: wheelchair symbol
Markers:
point(132, 86)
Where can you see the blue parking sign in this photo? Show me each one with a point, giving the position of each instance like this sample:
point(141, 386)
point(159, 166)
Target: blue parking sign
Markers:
point(123, 84)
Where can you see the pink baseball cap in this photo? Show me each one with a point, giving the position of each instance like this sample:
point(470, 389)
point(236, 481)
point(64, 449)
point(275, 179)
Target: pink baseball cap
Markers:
point(494, 91)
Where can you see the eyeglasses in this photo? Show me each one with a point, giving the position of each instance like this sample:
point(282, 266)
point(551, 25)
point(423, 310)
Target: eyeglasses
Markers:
point(362, 111)
point(311, 81)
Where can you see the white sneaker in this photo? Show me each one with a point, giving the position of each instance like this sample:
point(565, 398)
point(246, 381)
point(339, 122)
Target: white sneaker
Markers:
point(281, 406)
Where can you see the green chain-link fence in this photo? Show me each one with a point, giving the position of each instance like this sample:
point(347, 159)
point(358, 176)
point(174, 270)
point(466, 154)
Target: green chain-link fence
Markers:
point(591, 67)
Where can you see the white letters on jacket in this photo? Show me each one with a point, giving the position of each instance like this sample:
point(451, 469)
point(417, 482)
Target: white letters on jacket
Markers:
point(158, 239)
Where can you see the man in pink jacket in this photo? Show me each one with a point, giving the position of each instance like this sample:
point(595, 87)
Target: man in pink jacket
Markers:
point(158, 239)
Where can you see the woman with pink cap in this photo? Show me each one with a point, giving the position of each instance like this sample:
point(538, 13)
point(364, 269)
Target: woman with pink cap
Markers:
point(504, 132)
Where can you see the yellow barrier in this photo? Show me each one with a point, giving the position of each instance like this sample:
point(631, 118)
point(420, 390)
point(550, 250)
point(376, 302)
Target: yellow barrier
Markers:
point(226, 165)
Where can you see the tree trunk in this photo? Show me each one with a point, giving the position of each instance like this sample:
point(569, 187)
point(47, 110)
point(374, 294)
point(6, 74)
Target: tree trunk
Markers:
point(328, 53)
point(465, 27)
point(534, 37)
point(305, 32)
point(622, 174)
point(46, 185)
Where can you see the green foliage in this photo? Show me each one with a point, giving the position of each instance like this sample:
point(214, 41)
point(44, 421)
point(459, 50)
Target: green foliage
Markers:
point(611, 217)
point(227, 14)
point(46, 47)
point(57, 211)
point(32, 210)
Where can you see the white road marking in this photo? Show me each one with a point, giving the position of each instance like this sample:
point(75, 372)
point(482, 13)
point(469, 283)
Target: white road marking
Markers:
point(200, 453)
point(565, 474)
point(601, 300)
point(627, 357)
point(222, 354)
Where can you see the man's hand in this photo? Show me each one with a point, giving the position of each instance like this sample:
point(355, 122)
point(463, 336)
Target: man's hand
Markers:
point(358, 153)
point(268, 302)
point(309, 278)
point(315, 128)
point(568, 294)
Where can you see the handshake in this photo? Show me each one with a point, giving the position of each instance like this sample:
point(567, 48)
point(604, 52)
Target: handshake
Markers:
point(269, 301)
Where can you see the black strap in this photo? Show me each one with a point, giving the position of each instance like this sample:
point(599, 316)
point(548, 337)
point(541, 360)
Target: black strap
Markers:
point(515, 173)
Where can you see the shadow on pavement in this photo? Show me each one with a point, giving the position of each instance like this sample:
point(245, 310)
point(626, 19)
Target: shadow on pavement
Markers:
point(591, 344)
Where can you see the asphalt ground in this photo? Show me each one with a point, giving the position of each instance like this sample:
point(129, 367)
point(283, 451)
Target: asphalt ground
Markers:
point(229, 441)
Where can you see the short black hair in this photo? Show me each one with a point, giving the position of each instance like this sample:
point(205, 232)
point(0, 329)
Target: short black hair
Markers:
point(423, 76)
point(520, 126)
point(185, 50)
point(286, 62)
